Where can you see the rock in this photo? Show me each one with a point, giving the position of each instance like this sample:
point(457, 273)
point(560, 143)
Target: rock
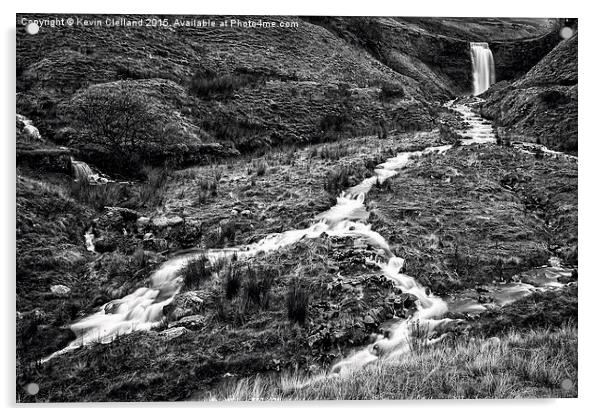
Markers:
point(143, 221)
point(410, 301)
point(112, 307)
point(165, 221)
point(173, 333)
point(116, 219)
point(184, 304)
point(155, 244)
point(369, 321)
point(60, 290)
point(192, 322)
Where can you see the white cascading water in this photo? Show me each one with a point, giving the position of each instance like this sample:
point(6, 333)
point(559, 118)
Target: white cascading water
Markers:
point(29, 129)
point(143, 309)
point(82, 172)
point(483, 67)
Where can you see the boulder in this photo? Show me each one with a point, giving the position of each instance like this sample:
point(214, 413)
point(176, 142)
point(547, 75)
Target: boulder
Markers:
point(192, 322)
point(164, 221)
point(117, 219)
point(155, 244)
point(60, 290)
point(184, 304)
point(173, 333)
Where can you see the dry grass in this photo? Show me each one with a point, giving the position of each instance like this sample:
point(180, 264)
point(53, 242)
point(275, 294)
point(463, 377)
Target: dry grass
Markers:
point(538, 363)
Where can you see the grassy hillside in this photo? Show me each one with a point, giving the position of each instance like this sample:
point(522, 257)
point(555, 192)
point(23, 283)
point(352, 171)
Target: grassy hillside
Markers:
point(218, 137)
point(541, 106)
point(242, 88)
point(220, 91)
point(519, 364)
point(476, 214)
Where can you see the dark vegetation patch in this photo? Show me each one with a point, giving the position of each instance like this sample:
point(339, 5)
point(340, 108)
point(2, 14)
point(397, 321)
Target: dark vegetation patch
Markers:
point(541, 106)
point(196, 272)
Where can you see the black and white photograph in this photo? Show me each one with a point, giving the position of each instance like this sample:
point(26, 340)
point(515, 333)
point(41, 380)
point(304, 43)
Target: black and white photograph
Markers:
point(295, 207)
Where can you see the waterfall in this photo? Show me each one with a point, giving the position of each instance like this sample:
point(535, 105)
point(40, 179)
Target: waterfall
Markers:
point(84, 173)
point(81, 171)
point(483, 67)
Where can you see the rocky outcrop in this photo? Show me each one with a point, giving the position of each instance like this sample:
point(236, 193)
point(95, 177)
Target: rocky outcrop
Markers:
point(541, 106)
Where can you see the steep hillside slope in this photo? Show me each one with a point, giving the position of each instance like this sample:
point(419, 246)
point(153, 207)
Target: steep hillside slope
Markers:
point(542, 105)
point(266, 86)
point(224, 91)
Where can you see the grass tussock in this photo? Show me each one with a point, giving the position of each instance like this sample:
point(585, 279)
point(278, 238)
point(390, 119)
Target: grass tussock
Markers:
point(261, 167)
point(247, 289)
point(99, 196)
point(257, 286)
point(297, 302)
point(537, 363)
point(151, 192)
point(196, 272)
point(232, 281)
point(206, 189)
point(330, 152)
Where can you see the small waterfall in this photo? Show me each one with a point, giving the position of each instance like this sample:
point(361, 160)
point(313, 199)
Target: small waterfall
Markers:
point(83, 173)
point(483, 67)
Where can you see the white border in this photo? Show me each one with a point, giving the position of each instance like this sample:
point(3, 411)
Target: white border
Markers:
point(590, 139)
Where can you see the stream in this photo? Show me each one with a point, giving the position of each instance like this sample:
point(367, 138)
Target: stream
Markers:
point(143, 309)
